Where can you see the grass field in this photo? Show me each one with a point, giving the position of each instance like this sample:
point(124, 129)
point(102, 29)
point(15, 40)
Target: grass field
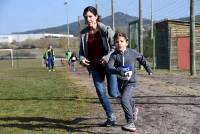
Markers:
point(33, 100)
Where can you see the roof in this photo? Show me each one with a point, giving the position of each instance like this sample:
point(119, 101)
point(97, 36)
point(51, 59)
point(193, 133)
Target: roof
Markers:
point(176, 21)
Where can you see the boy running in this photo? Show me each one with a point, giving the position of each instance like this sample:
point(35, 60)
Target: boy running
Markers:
point(122, 62)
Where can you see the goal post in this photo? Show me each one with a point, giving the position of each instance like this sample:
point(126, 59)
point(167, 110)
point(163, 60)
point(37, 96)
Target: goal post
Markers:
point(11, 54)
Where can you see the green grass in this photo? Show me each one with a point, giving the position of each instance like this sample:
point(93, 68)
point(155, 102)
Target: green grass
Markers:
point(33, 100)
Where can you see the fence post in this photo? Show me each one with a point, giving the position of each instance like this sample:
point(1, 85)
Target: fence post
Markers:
point(169, 47)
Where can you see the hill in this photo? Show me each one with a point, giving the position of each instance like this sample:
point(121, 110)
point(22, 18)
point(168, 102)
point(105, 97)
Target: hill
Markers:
point(119, 24)
point(106, 20)
point(197, 18)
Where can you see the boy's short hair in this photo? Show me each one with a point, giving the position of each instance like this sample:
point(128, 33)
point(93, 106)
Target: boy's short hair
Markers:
point(120, 34)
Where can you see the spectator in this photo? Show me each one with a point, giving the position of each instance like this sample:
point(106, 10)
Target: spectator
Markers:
point(73, 60)
point(50, 57)
point(45, 59)
point(68, 55)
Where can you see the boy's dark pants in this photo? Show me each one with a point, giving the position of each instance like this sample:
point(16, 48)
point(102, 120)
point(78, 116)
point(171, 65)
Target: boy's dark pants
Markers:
point(127, 101)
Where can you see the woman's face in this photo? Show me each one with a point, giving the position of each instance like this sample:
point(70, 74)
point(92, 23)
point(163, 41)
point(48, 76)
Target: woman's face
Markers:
point(91, 19)
point(121, 44)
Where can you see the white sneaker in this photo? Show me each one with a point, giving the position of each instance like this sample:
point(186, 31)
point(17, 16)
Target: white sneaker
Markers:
point(129, 127)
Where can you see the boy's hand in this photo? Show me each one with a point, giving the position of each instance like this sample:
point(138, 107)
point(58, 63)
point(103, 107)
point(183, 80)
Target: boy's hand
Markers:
point(122, 73)
point(151, 74)
point(119, 71)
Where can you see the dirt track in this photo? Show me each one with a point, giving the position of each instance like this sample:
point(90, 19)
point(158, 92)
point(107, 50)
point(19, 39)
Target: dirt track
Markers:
point(168, 104)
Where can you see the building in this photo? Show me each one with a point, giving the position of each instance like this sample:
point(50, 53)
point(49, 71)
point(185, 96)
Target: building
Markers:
point(6, 39)
point(22, 37)
point(172, 45)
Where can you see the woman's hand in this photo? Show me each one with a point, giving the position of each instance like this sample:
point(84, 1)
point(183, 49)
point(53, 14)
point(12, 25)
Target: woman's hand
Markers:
point(85, 62)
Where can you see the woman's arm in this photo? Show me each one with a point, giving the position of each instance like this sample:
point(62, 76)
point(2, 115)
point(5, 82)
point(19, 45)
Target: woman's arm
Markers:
point(110, 41)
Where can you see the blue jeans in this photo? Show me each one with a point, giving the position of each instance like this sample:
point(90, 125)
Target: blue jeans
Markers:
point(112, 85)
point(50, 62)
point(98, 79)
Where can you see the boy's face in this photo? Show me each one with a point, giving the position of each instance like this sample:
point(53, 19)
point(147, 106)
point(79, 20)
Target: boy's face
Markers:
point(121, 44)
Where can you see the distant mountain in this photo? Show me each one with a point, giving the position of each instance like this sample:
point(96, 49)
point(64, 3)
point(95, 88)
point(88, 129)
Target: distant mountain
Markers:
point(197, 18)
point(121, 21)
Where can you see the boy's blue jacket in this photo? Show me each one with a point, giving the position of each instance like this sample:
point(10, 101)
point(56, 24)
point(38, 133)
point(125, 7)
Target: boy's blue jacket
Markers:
point(127, 58)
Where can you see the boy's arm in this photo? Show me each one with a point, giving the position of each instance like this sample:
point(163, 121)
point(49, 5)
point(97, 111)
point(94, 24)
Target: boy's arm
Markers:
point(110, 68)
point(142, 60)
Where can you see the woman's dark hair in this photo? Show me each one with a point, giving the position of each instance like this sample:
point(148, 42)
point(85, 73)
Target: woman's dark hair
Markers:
point(120, 34)
point(93, 10)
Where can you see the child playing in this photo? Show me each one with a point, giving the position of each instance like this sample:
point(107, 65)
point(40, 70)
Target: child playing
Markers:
point(122, 62)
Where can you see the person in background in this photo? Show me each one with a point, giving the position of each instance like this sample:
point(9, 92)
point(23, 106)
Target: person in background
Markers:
point(50, 57)
point(68, 55)
point(122, 63)
point(73, 60)
point(96, 45)
point(45, 59)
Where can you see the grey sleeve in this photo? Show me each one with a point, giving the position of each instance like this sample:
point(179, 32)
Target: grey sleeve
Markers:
point(81, 51)
point(110, 66)
point(110, 41)
point(111, 34)
point(142, 61)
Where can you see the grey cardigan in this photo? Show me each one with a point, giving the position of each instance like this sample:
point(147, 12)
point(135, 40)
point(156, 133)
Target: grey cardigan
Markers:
point(107, 39)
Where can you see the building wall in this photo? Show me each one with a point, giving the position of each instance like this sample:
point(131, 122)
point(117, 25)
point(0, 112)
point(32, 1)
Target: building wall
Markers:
point(177, 30)
point(6, 38)
point(198, 47)
point(161, 46)
point(167, 34)
point(182, 30)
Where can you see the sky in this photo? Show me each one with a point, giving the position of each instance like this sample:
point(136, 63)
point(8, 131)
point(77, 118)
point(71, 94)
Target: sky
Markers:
point(23, 15)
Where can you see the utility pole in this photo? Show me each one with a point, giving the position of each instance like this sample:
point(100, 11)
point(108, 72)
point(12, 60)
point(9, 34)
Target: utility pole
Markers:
point(113, 16)
point(79, 25)
point(96, 5)
point(154, 54)
point(140, 28)
point(151, 20)
point(65, 3)
point(153, 37)
point(68, 31)
point(192, 39)
point(140, 41)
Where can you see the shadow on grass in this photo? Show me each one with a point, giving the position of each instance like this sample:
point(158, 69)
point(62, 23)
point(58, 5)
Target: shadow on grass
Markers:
point(78, 99)
point(166, 100)
point(38, 123)
point(140, 99)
